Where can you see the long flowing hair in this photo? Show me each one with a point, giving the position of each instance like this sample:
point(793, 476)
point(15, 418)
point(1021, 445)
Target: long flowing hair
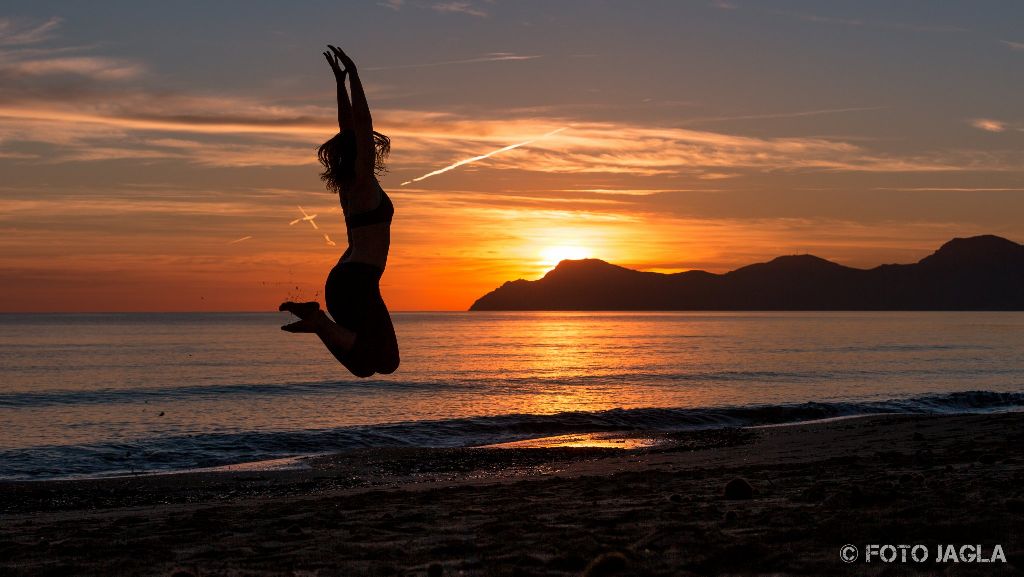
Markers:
point(338, 157)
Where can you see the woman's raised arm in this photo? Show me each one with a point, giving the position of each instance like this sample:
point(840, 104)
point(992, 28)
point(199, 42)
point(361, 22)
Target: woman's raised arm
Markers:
point(345, 121)
point(366, 152)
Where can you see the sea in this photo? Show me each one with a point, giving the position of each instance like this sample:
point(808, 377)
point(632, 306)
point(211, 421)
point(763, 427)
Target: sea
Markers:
point(90, 395)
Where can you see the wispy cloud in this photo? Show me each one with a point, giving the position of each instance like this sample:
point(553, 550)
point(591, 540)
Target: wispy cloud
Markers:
point(95, 67)
point(492, 57)
point(136, 118)
point(481, 157)
point(1013, 45)
point(81, 138)
point(20, 63)
point(989, 125)
point(236, 132)
point(858, 22)
point(724, 5)
point(795, 114)
point(392, 4)
point(15, 31)
point(626, 191)
point(84, 108)
point(136, 207)
point(828, 19)
point(34, 72)
point(949, 189)
point(17, 155)
point(102, 120)
point(647, 151)
point(459, 7)
point(233, 154)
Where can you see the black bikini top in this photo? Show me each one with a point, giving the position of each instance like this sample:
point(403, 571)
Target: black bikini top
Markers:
point(383, 212)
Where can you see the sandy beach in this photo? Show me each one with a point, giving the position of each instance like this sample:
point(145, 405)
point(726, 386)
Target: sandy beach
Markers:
point(658, 508)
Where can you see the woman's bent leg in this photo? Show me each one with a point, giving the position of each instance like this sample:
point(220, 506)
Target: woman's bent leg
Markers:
point(376, 347)
point(377, 344)
point(338, 340)
point(354, 300)
point(387, 353)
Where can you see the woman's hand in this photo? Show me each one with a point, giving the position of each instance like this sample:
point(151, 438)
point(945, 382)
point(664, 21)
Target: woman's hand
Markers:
point(339, 73)
point(340, 56)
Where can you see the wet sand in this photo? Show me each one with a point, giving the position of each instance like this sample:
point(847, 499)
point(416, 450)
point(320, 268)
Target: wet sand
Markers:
point(659, 508)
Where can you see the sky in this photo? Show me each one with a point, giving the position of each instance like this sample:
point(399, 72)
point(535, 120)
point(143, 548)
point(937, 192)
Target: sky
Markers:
point(154, 156)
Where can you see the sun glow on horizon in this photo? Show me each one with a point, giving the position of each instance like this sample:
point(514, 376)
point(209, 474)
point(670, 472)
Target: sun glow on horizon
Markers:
point(552, 255)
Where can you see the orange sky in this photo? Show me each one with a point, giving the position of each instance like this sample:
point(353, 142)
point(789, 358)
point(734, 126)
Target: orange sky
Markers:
point(700, 135)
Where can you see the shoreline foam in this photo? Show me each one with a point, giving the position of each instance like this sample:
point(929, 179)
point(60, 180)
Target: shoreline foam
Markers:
point(216, 450)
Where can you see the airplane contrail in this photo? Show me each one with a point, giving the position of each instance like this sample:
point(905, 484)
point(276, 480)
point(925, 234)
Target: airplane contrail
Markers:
point(482, 156)
point(238, 240)
point(307, 217)
point(329, 241)
point(493, 57)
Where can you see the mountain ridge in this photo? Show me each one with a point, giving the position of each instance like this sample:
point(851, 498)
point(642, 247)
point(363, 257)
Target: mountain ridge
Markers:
point(974, 273)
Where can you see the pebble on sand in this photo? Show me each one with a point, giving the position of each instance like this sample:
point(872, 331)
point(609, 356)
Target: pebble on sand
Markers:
point(738, 488)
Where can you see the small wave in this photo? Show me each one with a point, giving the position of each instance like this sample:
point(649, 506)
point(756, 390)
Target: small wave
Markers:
point(178, 393)
point(207, 450)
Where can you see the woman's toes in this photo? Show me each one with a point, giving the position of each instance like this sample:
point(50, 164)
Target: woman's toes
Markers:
point(301, 310)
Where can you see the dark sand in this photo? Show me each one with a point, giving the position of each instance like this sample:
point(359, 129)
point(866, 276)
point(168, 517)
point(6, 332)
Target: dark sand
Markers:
point(552, 511)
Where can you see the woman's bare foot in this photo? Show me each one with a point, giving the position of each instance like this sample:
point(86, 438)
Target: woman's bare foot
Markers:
point(301, 310)
point(303, 326)
point(313, 320)
point(309, 314)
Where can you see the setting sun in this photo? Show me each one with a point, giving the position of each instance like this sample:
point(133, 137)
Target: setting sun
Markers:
point(553, 255)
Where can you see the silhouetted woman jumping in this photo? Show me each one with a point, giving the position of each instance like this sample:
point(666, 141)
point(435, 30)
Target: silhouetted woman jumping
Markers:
point(361, 336)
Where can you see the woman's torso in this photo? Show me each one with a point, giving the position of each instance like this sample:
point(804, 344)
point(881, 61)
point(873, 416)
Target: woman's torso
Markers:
point(369, 231)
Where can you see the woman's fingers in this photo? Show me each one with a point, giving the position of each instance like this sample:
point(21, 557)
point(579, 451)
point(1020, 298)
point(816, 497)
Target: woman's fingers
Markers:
point(340, 55)
point(339, 73)
point(332, 61)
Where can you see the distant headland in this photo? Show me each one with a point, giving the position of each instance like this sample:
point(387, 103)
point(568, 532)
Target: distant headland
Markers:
point(977, 273)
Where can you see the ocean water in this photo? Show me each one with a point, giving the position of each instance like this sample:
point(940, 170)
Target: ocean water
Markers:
point(104, 394)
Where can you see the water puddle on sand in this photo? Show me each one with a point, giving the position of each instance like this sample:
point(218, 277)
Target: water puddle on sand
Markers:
point(583, 440)
point(299, 463)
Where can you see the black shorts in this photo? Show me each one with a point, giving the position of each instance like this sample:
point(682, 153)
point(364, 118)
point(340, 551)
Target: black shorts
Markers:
point(353, 298)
